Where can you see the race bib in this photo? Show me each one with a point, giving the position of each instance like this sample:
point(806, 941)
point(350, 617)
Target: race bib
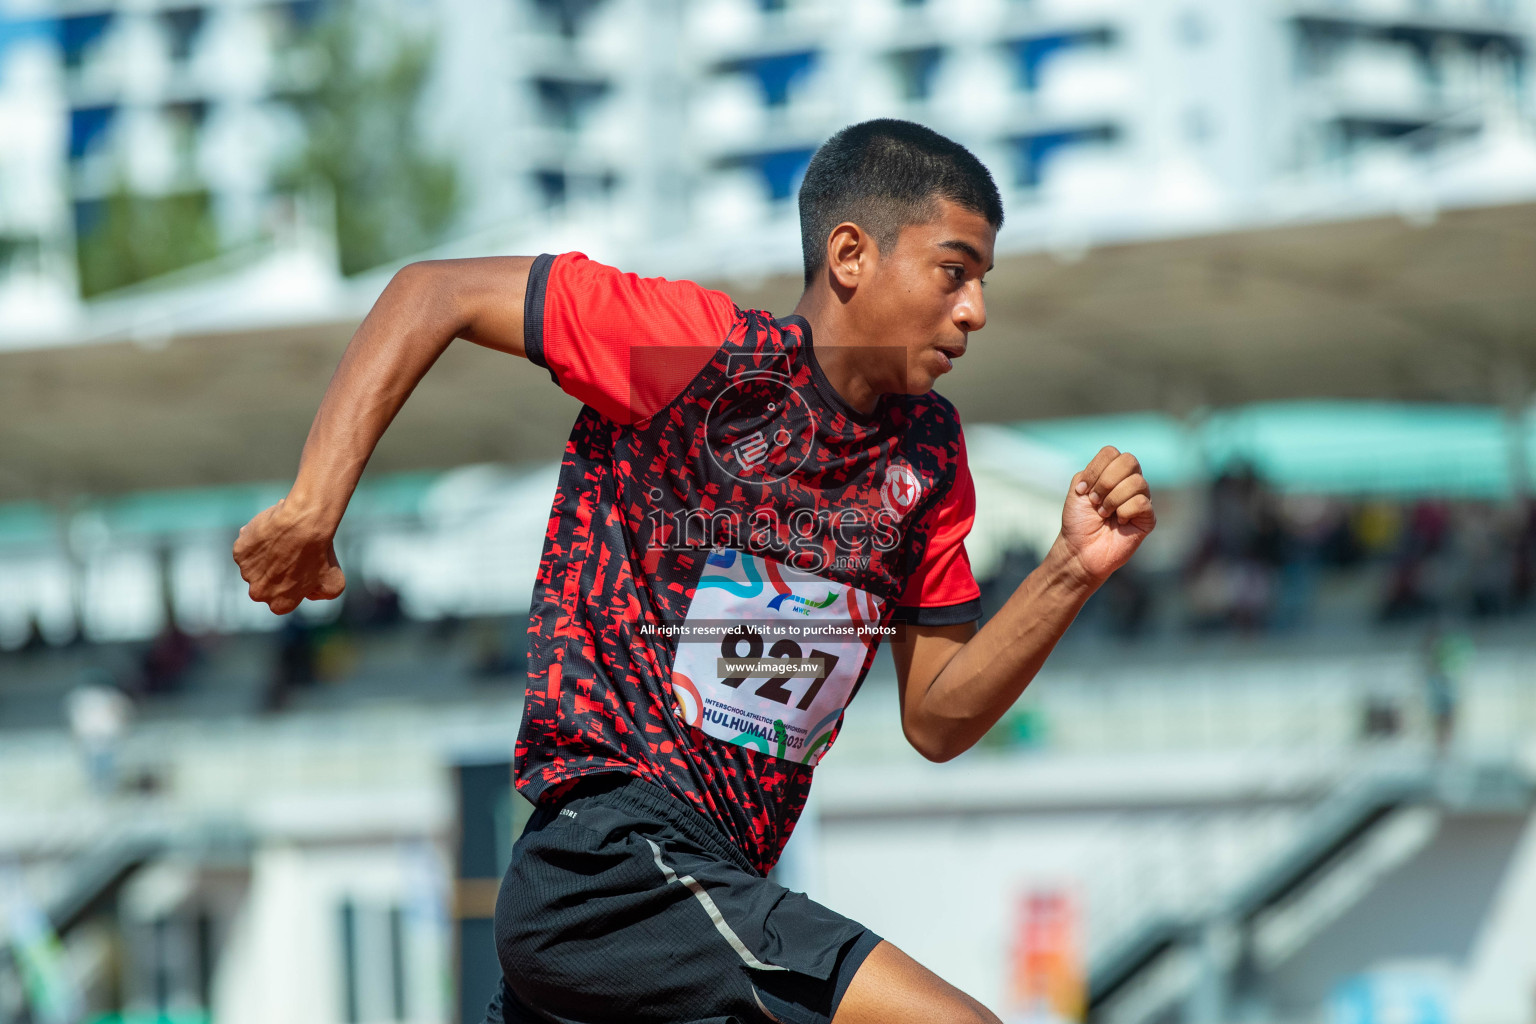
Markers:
point(769, 655)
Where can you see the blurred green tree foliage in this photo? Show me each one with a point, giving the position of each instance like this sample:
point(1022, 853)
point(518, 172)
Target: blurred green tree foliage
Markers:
point(363, 149)
point(129, 238)
point(355, 77)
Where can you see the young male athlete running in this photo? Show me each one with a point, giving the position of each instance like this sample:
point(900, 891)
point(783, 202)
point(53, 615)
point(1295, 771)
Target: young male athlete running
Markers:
point(744, 504)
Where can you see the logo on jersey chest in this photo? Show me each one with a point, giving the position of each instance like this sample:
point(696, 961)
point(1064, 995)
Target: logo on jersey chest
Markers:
point(760, 428)
point(901, 490)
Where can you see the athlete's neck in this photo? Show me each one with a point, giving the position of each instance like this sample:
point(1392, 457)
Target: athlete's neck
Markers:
point(841, 349)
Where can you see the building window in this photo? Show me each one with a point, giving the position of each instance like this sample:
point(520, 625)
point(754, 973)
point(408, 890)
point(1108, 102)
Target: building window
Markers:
point(915, 70)
point(552, 186)
point(304, 13)
point(80, 34)
point(373, 962)
point(182, 27)
point(1032, 152)
point(20, 253)
point(1031, 54)
point(565, 103)
point(780, 170)
point(777, 75)
point(567, 15)
point(87, 127)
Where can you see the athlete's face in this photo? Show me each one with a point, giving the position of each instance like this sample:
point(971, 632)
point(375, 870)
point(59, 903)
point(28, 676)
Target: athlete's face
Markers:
point(926, 293)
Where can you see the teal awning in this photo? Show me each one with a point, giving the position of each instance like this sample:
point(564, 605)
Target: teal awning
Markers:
point(191, 510)
point(1343, 448)
point(27, 522)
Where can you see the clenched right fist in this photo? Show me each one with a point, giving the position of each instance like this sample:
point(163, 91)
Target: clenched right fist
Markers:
point(285, 559)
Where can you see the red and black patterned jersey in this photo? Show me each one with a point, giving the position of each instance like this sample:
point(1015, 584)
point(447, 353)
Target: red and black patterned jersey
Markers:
point(729, 541)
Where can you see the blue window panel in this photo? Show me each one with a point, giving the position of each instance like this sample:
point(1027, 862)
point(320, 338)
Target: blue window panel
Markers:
point(552, 185)
point(1032, 151)
point(567, 101)
point(86, 126)
point(781, 171)
point(183, 24)
point(21, 30)
point(916, 69)
point(193, 112)
point(305, 13)
point(1321, 30)
point(568, 15)
point(777, 74)
point(76, 34)
point(88, 215)
point(1032, 53)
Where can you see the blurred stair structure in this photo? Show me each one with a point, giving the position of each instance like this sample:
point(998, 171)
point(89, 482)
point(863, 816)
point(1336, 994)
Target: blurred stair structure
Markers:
point(91, 885)
point(1397, 827)
point(97, 875)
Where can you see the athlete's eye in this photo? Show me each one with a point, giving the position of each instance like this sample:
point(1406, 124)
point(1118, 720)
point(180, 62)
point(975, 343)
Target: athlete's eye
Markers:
point(956, 273)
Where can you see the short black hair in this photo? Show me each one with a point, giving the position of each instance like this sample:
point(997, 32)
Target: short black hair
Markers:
point(883, 175)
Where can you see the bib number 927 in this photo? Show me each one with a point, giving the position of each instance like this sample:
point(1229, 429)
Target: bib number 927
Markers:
point(755, 683)
point(773, 689)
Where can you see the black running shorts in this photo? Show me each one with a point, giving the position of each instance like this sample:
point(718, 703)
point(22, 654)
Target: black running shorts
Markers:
point(624, 906)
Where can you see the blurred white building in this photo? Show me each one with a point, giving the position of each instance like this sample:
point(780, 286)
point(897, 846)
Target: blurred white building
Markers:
point(163, 99)
point(676, 130)
point(680, 129)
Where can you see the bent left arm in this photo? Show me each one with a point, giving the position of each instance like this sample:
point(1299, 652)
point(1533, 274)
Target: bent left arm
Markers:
point(955, 682)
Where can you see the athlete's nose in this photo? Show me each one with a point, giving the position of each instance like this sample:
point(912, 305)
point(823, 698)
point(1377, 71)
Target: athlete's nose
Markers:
point(971, 311)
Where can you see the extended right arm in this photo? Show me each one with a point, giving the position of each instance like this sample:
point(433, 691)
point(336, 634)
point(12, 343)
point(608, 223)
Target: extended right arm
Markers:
point(285, 553)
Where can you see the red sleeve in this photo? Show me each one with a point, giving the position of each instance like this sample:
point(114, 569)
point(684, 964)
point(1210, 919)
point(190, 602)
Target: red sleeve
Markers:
point(623, 344)
point(942, 592)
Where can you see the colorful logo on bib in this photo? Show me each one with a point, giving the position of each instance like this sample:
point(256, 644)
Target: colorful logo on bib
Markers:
point(901, 489)
point(688, 700)
point(777, 603)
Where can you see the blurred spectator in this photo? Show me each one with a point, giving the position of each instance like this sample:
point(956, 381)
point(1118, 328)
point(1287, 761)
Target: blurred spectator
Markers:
point(1446, 653)
point(336, 653)
point(1382, 718)
point(502, 647)
point(1122, 607)
point(34, 640)
point(1016, 563)
point(1421, 575)
point(1483, 549)
point(1232, 578)
point(1376, 527)
point(376, 605)
point(295, 666)
point(1126, 599)
point(166, 663)
point(1264, 562)
point(98, 717)
point(1523, 557)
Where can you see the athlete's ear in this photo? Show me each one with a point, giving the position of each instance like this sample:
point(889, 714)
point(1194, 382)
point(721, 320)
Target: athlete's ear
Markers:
point(849, 254)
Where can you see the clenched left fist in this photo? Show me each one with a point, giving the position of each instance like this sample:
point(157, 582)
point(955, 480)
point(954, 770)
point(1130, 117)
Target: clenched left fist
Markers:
point(1108, 513)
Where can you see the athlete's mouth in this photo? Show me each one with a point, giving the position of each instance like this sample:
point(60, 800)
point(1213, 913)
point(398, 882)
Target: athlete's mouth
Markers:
point(950, 354)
